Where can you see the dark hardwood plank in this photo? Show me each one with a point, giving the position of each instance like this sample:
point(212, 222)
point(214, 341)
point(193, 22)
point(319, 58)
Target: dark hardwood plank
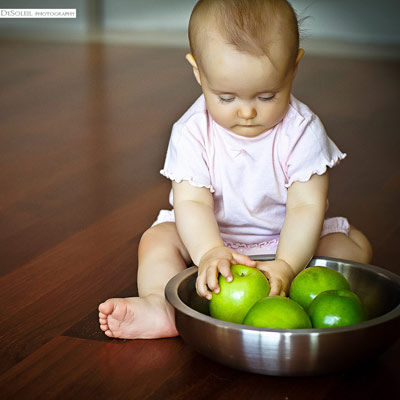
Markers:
point(71, 368)
point(72, 276)
point(168, 369)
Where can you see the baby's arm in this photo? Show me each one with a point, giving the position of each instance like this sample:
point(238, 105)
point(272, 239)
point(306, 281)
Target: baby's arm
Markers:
point(305, 212)
point(198, 229)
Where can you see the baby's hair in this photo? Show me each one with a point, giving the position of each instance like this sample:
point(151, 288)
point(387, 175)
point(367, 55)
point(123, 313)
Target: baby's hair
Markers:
point(249, 25)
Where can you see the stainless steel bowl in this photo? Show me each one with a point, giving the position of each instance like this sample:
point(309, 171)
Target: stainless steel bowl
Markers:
point(293, 352)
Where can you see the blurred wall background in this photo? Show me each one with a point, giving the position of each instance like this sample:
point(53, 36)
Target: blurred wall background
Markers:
point(349, 27)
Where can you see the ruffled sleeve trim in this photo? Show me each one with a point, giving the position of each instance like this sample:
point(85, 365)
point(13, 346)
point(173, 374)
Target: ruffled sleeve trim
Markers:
point(191, 180)
point(306, 175)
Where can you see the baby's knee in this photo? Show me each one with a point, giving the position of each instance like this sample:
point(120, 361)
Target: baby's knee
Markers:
point(155, 236)
point(162, 237)
point(354, 246)
point(362, 242)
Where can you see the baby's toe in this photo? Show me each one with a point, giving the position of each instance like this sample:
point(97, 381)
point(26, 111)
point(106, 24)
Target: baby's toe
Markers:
point(107, 307)
point(109, 333)
point(102, 315)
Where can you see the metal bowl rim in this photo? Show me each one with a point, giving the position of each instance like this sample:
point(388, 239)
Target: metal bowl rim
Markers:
point(172, 296)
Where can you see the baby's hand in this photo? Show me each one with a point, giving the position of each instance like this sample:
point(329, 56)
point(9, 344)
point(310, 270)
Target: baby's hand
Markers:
point(279, 274)
point(215, 261)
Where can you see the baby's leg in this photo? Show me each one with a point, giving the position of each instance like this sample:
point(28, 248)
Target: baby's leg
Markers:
point(161, 256)
point(355, 246)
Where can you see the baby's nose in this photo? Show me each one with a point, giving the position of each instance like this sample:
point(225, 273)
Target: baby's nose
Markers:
point(247, 112)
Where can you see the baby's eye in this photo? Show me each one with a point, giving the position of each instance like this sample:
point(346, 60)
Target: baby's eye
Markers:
point(226, 99)
point(266, 98)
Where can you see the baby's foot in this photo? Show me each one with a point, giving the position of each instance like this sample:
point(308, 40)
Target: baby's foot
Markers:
point(147, 317)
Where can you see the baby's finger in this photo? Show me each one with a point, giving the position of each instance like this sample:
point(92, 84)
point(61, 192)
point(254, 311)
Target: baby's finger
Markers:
point(201, 287)
point(242, 259)
point(276, 287)
point(224, 267)
point(212, 279)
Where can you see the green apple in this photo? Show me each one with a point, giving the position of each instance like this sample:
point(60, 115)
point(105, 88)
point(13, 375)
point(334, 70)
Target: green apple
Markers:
point(277, 312)
point(237, 297)
point(314, 280)
point(334, 308)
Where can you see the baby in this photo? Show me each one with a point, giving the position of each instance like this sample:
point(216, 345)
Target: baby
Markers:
point(249, 169)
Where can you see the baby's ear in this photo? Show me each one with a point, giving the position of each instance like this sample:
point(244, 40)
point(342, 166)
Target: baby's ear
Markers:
point(300, 55)
point(192, 62)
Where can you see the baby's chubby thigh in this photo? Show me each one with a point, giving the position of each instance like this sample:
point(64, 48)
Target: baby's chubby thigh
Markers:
point(161, 255)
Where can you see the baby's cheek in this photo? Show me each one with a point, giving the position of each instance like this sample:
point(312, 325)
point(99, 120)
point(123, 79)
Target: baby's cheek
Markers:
point(225, 117)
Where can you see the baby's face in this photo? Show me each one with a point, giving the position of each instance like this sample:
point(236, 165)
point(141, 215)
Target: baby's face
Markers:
point(245, 94)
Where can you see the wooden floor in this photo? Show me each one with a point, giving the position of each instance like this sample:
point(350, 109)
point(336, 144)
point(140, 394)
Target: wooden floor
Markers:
point(83, 134)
